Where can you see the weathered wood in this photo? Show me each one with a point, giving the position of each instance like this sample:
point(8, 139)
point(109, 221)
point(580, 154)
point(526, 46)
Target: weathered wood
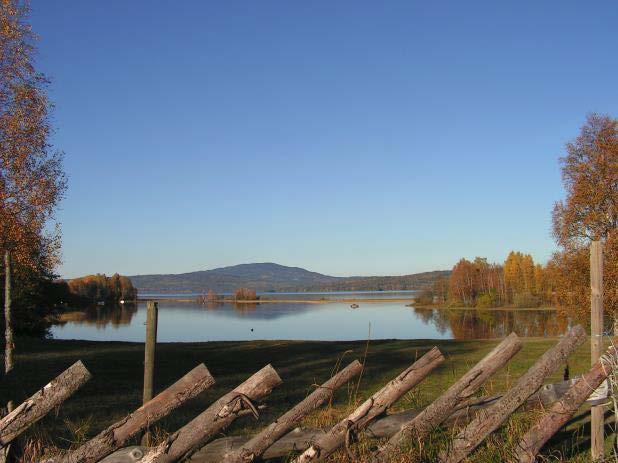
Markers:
point(257, 445)
point(372, 407)
point(441, 408)
point(490, 419)
point(44, 400)
point(562, 411)
point(215, 418)
point(385, 427)
point(597, 419)
point(152, 312)
point(187, 387)
point(8, 322)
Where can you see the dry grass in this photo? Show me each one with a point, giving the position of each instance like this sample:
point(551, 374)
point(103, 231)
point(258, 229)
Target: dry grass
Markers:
point(116, 389)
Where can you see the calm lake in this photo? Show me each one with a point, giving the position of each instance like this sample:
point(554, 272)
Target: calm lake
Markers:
point(181, 321)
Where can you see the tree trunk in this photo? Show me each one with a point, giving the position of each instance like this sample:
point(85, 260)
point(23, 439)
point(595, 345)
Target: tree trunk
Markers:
point(441, 408)
point(215, 418)
point(8, 322)
point(597, 419)
point(262, 441)
point(187, 387)
point(565, 408)
point(489, 420)
point(39, 404)
point(372, 407)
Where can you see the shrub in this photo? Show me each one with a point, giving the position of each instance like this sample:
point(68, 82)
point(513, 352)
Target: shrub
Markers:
point(245, 294)
point(487, 300)
point(525, 300)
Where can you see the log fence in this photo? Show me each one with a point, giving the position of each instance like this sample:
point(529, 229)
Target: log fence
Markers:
point(193, 442)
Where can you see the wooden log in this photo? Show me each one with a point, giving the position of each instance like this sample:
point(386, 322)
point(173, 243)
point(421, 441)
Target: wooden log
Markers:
point(562, 411)
point(597, 420)
point(441, 408)
point(301, 438)
point(44, 400)
point(187, 387)
point(218, 416)
point(372, 407)
point(490, 419)
point(257, 445)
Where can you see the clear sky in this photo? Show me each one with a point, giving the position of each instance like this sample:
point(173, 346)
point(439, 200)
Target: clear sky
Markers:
point(346, 137)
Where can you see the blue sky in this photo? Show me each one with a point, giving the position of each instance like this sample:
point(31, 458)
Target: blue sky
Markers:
point(348, 137)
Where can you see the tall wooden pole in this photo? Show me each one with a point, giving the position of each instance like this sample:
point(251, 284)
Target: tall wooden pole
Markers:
point(8, 322)
point(596, 347)
point(152, 313)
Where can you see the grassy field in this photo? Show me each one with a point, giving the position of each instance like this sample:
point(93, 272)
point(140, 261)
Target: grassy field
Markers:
point(116, 387)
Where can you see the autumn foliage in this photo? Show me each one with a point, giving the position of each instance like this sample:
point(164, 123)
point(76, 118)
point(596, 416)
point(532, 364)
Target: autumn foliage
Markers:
point(517, 282)
point(589, 212)
point(32, 181)
point(245, 294)
point(100, 288)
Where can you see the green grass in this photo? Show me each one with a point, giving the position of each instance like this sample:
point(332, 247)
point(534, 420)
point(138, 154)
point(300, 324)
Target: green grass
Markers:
point(116, 387)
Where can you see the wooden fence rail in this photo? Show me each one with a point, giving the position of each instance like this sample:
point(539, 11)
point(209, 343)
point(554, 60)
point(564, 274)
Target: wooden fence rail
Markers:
point(479, 417)
point(441, 408)
point(38, 405)
point(117, 435)
point(215, 418)
point(564, 409)
point(256, 446)
point(373, 407)
point(484, 424)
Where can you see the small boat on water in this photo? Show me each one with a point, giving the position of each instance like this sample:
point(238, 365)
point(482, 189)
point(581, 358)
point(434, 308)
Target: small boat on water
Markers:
point(354, 306)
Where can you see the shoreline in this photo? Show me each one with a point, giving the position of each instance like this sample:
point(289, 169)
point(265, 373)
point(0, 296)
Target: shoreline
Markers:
point(408, 302)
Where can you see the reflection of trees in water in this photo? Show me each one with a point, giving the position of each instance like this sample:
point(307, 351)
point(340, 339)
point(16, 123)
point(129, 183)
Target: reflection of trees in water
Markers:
point(245, 308)
point(101, 316)
point(479, 324)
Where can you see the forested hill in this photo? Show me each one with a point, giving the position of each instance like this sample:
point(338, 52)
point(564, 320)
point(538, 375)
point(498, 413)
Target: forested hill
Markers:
point(265, 277)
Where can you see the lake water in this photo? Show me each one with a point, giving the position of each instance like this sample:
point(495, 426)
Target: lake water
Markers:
point(189, 321)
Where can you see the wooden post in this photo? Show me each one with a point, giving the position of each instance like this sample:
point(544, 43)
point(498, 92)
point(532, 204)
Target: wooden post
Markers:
point(255, 448)
point(373, 407)
point(211, 421)
point(565, 408)
point(596, 343)
point(441, 408)
point(117, 435)
point(490, 419)
point(152, 315)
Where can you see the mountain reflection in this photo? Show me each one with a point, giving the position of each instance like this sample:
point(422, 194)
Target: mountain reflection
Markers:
point(100, 316)
point(482, 324)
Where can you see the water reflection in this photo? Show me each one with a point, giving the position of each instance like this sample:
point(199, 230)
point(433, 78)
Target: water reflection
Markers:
point(189, 321)
point(100, 316)
point(482, 324)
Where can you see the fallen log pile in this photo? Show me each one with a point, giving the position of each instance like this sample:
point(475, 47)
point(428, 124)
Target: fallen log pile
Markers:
point(457, 405)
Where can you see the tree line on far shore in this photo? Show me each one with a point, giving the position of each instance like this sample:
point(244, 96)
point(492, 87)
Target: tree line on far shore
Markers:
point(97, 288)
point(588, 213)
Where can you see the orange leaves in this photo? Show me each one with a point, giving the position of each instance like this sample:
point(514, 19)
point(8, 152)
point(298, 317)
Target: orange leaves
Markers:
point(32, 181)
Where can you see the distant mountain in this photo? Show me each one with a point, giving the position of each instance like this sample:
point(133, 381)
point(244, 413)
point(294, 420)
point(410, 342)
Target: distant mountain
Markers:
point(265, 277)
